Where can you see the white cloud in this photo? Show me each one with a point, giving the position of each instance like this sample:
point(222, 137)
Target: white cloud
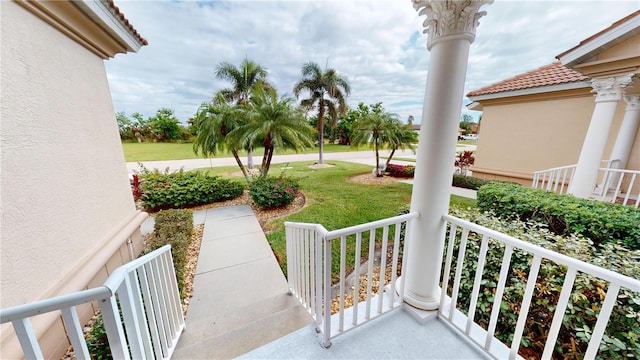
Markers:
point(377, 45)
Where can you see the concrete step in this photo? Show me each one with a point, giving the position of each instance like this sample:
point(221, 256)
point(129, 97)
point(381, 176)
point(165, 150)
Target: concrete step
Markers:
point(247, 337)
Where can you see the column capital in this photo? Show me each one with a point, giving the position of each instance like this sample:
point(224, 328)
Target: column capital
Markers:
point(633, 101)
point(611, 89)
point(457, 19)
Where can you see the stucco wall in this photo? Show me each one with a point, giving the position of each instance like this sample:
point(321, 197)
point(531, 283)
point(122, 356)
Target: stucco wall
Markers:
point(64, 184)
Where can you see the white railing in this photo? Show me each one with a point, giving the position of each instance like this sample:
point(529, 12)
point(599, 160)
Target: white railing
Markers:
point(310, 261)
point(462, 234)
point(142, 294)
point(555, 179)
point(622, 183)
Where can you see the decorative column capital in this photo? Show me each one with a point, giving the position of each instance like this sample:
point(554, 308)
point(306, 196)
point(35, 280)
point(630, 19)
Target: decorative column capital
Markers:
point(611, 89)
point(633, 101)
point(450, 18)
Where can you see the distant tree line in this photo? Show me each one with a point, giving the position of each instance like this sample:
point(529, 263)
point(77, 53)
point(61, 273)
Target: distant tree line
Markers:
point(164, 126)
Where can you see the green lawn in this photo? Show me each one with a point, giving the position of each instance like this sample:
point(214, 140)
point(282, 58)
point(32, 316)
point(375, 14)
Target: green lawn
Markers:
point(335, 202)
point(176, 151)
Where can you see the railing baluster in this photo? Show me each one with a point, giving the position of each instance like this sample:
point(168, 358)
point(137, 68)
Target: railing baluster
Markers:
point(561, 307)
point(629, 188)
point(383, 267)
point(343, 257)
point(453, 228)
point(113, 328)
point(405, 250)
point(163, 328)
point(476, 284)
point(148, 306)
point(318, 296)
point(27, 338)
point(524, 308)
point(356, 291)
point(456, 282)
point(131, 323)
point(74, 331)
point(394, 264)
point(497, 300)
point(370, 263)
point(306, 260)
point(603, 319)
point(312, 272)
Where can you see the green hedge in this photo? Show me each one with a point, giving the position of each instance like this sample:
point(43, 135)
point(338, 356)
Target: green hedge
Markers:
point(468, 182)
point(173, 226)
point(183, 189)
point(564, 214)
point(271, 192)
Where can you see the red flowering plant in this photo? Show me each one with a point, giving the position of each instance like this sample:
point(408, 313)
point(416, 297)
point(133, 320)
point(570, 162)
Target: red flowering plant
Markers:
point(463, 161)
point(270, 192)
point(403, 171)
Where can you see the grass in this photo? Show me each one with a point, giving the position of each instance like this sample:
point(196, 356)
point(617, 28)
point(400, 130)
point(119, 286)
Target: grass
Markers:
point(335, 202)
point(176, 151)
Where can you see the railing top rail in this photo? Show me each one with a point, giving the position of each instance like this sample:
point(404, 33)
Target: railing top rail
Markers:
point(117, 276)
point(308, 226)
point(625, 171)
point(555, 169)
point(64, 301)
point(334, 234)
point(579, 265)
point(52, 304)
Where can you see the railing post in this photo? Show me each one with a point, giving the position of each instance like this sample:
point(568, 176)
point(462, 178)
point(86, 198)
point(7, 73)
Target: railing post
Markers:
point(113, 327)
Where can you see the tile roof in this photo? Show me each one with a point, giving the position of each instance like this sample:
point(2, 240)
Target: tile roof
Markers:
point(552, 74)
point(126, 23)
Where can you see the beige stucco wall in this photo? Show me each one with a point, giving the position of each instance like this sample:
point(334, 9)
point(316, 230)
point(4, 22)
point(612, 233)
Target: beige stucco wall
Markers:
point(534, 134)
point(64, 187)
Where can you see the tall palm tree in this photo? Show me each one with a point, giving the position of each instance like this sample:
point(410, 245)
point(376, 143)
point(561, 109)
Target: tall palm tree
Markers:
point(327, 91)
point(274, 123)
point(377, 129)
point(405, 138)
point(217, 119)
point(243, 79)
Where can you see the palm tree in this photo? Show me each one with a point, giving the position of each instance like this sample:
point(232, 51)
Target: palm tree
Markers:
point(243, 79)
point(376, 128)
point(274, 123)
point(405, 138)
point(217, 119)
point(327, 91)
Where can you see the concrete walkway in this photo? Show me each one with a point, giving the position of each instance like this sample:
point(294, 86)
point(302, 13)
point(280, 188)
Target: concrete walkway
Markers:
point(240, 300)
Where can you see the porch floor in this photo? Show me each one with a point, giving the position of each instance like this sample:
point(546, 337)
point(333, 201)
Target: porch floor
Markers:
point(396, 335)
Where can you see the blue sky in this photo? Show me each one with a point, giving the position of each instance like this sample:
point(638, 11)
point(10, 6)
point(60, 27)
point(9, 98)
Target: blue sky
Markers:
point(377, 45)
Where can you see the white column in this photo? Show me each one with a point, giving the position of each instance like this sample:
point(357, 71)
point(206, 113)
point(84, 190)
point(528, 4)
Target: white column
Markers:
point(628, 130)
point(608, 94)
point(451, 27)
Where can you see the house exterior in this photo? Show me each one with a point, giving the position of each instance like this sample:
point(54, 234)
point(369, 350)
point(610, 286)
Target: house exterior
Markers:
point(68, 216)
point(582, 109)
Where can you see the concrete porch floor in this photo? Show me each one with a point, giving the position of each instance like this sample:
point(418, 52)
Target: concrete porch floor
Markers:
point(397, 335)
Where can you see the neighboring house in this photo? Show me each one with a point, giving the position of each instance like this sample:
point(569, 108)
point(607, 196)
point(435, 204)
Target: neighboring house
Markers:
point(568, 112)
point(68, 216)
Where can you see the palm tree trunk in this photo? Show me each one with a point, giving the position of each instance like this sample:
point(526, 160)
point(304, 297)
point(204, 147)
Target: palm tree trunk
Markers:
point(244, 171)
point(377, 160)
point(266, 161)
point(390, 156)
point(250, 159)
point(320, 132)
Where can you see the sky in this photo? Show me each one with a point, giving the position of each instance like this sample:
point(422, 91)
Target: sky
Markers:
point(377, 45)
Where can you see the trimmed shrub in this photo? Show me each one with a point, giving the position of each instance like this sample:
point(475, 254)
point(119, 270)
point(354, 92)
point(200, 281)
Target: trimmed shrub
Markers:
point(403, 171)
point(468, 182)
point(173, 227)
point(270, 192)
point(622, 336)
point(599, 221)
point(183, 189)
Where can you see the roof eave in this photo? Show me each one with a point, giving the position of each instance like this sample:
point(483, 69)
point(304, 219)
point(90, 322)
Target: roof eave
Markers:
point(103, 15)
point(616, 35)
point(531, 91)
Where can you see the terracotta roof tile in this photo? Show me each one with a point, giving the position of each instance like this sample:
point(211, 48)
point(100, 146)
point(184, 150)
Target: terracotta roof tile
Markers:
point(125, 21)
point(552, 74)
